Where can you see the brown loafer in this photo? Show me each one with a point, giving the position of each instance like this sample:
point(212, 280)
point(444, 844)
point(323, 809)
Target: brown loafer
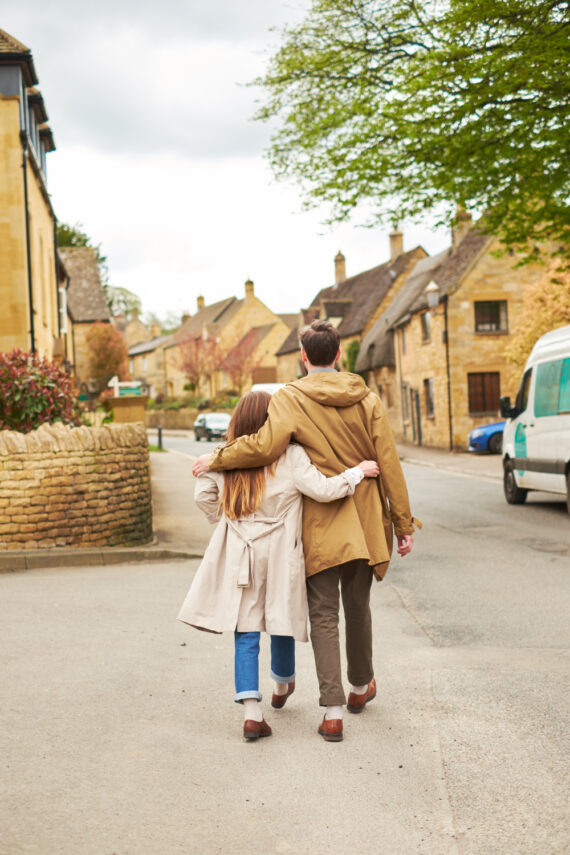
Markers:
point(279, 701)
point(356, 703)
point(255, 729)
point(331, 729)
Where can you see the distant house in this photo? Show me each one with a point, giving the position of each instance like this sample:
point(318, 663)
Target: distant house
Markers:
point(86, 305)
point(437, 354)
point(221, 334)
point(33, 313)
point(352, 304)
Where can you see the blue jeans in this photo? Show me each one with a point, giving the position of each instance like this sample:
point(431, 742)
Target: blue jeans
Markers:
point(247, 663)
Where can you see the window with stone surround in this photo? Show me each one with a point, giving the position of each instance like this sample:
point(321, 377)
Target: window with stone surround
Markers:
point(429, 396)
point(484, 392)
point(491, 316)
point(426, 327)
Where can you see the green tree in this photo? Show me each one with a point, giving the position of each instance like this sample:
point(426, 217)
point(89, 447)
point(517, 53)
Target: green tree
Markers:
point(75, 236)
point(546, 306)
point(108, 354)
point(404, 107)
point(121, 301)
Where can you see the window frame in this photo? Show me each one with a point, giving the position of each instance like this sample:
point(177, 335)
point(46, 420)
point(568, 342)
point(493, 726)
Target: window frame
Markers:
point(501, 330)
point(471, 393)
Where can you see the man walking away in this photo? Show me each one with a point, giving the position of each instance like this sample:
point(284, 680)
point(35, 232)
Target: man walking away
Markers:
point(339, 421)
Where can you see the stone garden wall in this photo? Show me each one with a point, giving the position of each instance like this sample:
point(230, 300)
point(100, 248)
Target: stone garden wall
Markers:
point(66, 486)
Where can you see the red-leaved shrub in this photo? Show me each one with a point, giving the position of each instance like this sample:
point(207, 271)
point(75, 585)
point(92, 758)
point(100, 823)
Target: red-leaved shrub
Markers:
point(34, 390)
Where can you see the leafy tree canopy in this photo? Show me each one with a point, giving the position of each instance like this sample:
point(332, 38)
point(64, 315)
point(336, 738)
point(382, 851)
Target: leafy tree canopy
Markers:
point(108, 354)
point(546, 306)
point(407, 107)
point(121, 301)
point(75, 236)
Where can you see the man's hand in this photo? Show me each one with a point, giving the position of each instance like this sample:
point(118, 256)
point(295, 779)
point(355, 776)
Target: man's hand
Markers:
point(370, 468)
point(201, 465)
point(405, 543)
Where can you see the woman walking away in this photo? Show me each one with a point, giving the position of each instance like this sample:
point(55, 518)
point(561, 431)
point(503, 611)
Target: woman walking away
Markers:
point(252, 576)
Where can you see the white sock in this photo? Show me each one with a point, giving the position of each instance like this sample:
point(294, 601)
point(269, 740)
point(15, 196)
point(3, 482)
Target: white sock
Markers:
point(359, 690)
point(281, 688)
point(333, 712)
point(252, 710)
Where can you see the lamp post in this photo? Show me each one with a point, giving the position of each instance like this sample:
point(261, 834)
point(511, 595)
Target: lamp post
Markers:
point(433, 297)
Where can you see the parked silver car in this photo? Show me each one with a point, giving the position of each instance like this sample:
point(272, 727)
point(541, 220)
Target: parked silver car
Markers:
point(211, 426)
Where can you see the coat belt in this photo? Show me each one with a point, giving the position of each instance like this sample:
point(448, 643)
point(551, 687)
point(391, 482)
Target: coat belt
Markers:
point(247, 558)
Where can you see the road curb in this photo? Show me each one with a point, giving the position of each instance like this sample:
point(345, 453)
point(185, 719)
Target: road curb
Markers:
point(37, 559)
point(455, 470)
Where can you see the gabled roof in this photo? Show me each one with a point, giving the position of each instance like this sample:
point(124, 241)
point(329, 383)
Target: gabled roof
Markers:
point(86, 300)
point(216, 313)
point(14, 52)
point(377, 345)
point(290, 319)
point(247, 344)
point(354, 299)
point(446, 269)
point(148, 346)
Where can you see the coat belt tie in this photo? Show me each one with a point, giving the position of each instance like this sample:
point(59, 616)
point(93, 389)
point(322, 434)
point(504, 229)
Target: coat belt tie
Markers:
point(247, 558)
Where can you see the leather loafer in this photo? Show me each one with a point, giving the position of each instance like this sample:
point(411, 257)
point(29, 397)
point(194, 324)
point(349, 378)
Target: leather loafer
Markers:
point(356, 703)
point(331, 729)
point(255, 729)
point(279, 701)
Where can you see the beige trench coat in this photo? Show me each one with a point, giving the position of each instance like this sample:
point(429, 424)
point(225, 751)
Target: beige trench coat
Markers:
point(252, 576)
point(339, 422)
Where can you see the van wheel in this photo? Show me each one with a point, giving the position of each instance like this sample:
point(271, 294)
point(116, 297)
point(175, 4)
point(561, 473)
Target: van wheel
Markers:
point(514, 494)
point(496, 443)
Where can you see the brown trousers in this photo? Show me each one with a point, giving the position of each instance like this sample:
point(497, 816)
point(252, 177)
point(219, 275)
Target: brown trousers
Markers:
point(355, 578)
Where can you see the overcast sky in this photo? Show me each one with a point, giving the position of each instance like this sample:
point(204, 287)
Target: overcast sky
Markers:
point(158, 158)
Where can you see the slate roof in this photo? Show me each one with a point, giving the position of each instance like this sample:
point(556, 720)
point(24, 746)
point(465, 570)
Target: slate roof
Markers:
point(148, 346)
point(13, 51)
point(86, 300)
point(216, 313)
point(353, 299)
point(377, 347)
point(446, 269)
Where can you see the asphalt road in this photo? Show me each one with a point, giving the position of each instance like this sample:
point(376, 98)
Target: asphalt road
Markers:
point(119, 734)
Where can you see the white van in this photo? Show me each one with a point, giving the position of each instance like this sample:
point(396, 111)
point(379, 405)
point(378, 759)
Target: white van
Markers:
point(536, 441)
point(267, 387)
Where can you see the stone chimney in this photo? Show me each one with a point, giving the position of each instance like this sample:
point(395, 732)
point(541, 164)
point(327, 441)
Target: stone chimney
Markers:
point(248, 289)
point(134, 314)
point(200, 302)
point(339, 267)
point(461, 225)
point(155, 330)
point(185, 317)
point(396, 244)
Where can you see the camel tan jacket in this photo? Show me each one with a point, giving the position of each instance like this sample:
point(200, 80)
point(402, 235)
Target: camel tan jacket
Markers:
point(339, 422)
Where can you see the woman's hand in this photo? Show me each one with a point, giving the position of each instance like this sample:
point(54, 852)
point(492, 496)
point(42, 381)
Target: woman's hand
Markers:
point(370, 468)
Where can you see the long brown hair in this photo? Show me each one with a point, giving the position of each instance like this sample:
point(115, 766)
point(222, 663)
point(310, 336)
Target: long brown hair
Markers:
point(243, 488)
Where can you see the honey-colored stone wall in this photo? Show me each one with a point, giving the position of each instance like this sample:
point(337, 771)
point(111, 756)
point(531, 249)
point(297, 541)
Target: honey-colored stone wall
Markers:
point(65, 486)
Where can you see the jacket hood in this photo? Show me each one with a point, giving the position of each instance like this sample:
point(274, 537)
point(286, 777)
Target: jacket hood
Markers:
point(333, 389)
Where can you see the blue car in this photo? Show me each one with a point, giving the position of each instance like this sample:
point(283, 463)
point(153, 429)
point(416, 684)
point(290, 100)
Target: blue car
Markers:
point(487, 438)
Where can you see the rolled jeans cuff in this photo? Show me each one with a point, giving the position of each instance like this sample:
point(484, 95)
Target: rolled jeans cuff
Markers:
point(244, 696)
point(279, 679)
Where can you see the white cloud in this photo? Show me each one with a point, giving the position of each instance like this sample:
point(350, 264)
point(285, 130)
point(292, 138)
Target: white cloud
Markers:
point(158, 158)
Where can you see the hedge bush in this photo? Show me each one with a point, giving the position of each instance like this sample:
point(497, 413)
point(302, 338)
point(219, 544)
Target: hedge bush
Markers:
point(34, 390)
